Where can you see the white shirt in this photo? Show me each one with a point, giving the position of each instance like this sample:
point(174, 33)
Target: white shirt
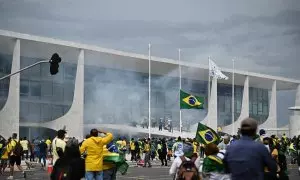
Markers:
point(177, 162)
point(175, 165)
point(57, 143)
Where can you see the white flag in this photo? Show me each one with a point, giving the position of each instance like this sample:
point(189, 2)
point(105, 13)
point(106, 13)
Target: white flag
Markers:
point(214, 71)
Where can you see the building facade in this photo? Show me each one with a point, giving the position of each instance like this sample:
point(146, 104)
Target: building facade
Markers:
point(101, 86)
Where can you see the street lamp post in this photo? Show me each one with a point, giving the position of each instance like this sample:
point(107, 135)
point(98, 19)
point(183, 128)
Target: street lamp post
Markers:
point(54, 64)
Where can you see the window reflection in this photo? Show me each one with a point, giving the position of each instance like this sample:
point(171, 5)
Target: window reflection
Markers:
point(43, 97)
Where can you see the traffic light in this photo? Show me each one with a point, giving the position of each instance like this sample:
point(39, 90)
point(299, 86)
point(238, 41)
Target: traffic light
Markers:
point(54, 63)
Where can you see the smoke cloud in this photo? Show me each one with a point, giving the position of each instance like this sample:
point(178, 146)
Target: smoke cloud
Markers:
point(121, 97)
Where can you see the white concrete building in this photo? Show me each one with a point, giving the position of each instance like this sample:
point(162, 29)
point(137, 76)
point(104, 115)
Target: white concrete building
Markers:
point(109, 89)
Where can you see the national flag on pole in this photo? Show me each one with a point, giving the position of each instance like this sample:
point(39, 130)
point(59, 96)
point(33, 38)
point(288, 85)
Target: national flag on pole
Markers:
point(206, 135)
point(214, 71)
point(188, 101)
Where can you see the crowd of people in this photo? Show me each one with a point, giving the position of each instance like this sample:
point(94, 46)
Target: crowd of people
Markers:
point(247, 155)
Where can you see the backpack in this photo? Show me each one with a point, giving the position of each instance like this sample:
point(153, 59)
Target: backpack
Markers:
point(18, 149)
point(187, 170)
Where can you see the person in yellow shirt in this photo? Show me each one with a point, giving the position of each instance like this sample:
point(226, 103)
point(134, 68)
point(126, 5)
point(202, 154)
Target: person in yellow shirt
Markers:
point(48, 142)
point(25, 144)
point(58, 145)
point(133, 150)
point(4, 158)
point(93, 147)
point(147, 148)
point(14, 156)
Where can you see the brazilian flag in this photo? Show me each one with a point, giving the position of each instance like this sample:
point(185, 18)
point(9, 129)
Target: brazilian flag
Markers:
point(118, 160)
point(206, 135)
point(188, 101)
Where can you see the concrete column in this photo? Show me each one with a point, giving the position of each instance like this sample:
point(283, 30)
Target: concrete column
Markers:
point(271, 122)
point(244, 111)
point(73, 119)
point(294, 124)
point(10, 114)
point(211, 120)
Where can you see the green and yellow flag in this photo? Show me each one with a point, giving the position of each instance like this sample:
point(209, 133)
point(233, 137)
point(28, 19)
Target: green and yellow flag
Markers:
point(188, 101)
point(206, 135)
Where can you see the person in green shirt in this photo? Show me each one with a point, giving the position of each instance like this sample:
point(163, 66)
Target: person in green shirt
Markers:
point(213, 167)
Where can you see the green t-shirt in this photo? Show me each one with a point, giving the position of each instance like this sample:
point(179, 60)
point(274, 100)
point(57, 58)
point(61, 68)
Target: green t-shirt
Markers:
point(213, 164)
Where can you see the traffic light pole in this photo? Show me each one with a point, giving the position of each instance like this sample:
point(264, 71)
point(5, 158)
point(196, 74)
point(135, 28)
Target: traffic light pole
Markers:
point(23, 69)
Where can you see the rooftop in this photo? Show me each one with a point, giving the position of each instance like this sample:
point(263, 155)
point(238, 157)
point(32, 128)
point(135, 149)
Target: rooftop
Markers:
point(43, 47)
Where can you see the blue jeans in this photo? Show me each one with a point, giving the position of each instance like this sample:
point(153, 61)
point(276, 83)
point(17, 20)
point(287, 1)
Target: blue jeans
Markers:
point(110, 174)
point(90, 175)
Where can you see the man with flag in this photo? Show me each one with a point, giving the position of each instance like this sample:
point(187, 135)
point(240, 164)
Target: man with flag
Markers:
point(113, 162)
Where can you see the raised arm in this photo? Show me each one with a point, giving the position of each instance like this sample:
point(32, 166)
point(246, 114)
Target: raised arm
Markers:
point(108, 138)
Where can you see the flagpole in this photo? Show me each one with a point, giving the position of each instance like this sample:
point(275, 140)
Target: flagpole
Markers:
point(208, 82)
point(149, 90)
point(232, 110)
point(179, 59)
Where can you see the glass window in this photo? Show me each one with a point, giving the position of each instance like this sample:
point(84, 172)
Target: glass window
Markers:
point(227, 104)
point(46, 112)
point(238, 106)
point(254, 93)
point(266, 95)
point(4, 84)
point(255, 109)
point(57, 111)
point(69, 71)
point(68, 92)
point(45, 71)
point(24, 110)
point(24, 88)
point(266, 110)
point(34, 72)
point(35, 88)
point(222, 103)
point(259, 94)
point(35, 112)
point(66, 109)
point(58, 92)
point(46, 88)
point(260, 107)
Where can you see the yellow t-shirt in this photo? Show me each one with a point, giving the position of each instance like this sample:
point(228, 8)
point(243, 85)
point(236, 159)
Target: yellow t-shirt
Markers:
point(147, 147)
point(57, 143)
point(11, 145)
point(48, 142)
point(123, 143)
point(132, 146)
point(24, 144)
point(5, 154)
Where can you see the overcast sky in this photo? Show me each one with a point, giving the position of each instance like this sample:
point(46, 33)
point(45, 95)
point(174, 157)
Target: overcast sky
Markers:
point(262, 35)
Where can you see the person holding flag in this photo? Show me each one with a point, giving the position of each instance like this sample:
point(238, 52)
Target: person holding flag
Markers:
point(113, 162)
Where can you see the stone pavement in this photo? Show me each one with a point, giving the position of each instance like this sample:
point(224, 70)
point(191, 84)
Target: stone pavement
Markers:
point(134, 173)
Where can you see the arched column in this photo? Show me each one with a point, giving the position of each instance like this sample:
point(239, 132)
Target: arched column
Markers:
point(244, 111)
point(73, 119)
point(10, 113)
point(294, 124)
point(271, 121)
point(211, 119)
